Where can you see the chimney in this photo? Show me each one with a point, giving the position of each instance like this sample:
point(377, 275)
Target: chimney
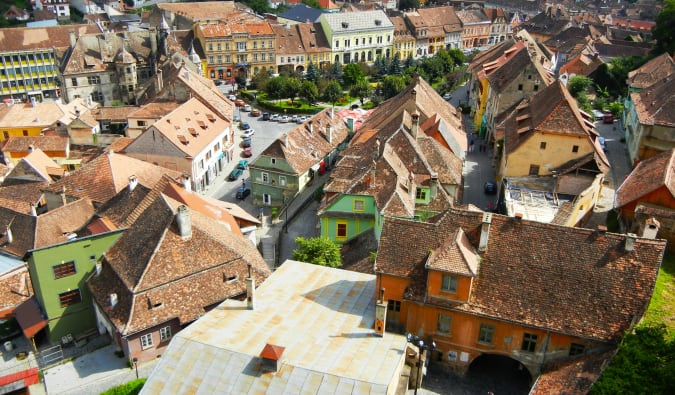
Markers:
point(411, 186)
point(484, 232)
point(373, 171)
point(250, 290)
point(380, 314)
point(414, 130)
point(8, 235)
point(133, 181)
point(187, 185)
point(99, 267)
point(153, 41)
point(311, 127)
point(64, 199)
point(434, 185)
point(31, 148)
point(33, 210)
point(630, 241)
point(518, 216)
point(184, 225)
point(651, 228)
point(272, 357)
point(113, 300)
point(601, 229)
point(286, 140)
point(187, 75)
point(73, 39)
point(328, 133)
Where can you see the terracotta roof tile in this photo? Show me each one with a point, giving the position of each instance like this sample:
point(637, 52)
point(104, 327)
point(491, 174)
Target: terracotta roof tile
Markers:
point(652, 72)
point(19, 197)
point(117, 113)
point(588, 286)
point(572, 377)
point(455, 255)
point(55, 225)
point(208, 10)
point(648, 176)
point(45, 143)
point(22, 38)
point(15, 288)
point(655, 105)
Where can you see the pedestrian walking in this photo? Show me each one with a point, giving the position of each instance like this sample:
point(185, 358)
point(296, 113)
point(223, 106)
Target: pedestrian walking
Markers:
point(471, 145)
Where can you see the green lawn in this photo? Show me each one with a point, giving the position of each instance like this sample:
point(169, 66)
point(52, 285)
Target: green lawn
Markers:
point(662, 306)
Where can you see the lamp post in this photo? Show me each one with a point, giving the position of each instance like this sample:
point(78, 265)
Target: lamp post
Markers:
point(286, 213)
point(135, 360)
point(416, 340)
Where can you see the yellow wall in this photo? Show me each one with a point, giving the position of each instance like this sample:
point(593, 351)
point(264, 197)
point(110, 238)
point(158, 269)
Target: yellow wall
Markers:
point(481, 102)
point(558, 151)
point(18, 131)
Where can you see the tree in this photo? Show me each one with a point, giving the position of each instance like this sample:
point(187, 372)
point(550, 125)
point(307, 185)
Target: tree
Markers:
point(259, 80)
point(275, 87)
point(408, 4)
point(292, 88)
point(392, 85)
point(663, 32)
point(318, 251)
point(309, 91)
point(312, 3)
point(409, 61)
point(241, 81)
point(395, 65)
point(351, 73)
point(259, 6)
point(361, 89)
point(333, 92)
point(644, 364)
point(578, 84)
point(312, 73)
point(335, 71)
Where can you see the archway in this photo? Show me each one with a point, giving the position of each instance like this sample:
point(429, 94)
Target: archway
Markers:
point(501, 374)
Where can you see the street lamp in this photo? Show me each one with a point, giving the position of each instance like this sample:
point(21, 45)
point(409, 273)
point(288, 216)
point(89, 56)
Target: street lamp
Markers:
point(286, 213)
point(135, 360)
point(422, 346)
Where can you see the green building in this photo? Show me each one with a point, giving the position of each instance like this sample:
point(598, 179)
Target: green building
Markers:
point(58, 273)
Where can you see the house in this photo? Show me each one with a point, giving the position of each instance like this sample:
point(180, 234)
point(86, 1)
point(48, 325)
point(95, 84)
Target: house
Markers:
point(56, 148)
point(500, 30)
point(293, 160)
point(404, 41)
point(192, 139)
point(406, 160)
point(548, 23)
point(434, 29)
point(502, 77)
point(171, 266)
point(315, 44)
point(307, 329)
point(102, 178)
point(358, 36)
point(15, 13)
point(113, 120)
point(183, 16)
point(650, 121)
point(59, 7)
point(481, 284)
point(475, 28)
point(290, 54)
point(141, 118)
point(648, 194)
point(548, 140)
point(42, 48)
point(36, 167)
point(299, 13)
point(650, 73)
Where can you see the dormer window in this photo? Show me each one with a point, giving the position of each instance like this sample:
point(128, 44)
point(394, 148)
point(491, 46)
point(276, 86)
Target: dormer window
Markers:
point(449, 283)
point(345, 25)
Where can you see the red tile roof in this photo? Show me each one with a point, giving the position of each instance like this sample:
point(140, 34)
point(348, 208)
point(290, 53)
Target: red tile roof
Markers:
point(655, 105)
point(648, 176)
point(572, 377)
point(652, 72)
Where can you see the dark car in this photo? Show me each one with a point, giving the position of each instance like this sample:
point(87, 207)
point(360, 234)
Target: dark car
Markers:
point(234, 174)
point(244, 125)
point(243, 164)
point(246, 142)
point(490, 187)
point(242, 193)
point(218, 82)
point(265, 116)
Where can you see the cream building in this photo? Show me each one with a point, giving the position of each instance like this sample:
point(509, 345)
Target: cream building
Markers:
point(358, 36)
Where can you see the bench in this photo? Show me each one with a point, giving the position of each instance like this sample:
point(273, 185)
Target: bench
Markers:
point(81, 339)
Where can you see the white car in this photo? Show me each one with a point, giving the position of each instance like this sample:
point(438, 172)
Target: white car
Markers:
point(274, 117)
point(283, 119)
point(248, 132)
point(232, 97)
point(301, 119)
point(247, 108)
point(447, 97)
point(294, 118)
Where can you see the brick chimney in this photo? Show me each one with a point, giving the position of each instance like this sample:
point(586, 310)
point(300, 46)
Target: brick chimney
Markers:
point(651, 228)
point(133, 181)
point(414, 129)
point(250, 289)
point(484, 232)
point(630, 241)
point(328, 133)
point(380, 314)
point(184, 224)
point(33, 210)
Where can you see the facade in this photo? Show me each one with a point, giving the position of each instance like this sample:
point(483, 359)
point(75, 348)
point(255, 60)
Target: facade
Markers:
point(291, 162)
point(191, 141)
point(476, 26)
point(404, 41)
point(61, 8)
point(30, 60)
point(499, 28)
point(36, 167)
point(139, 119)
point(237, 47)
point(150, 286)
point(358, 36)
point(317, 49)
point(434, 29)
point(55, 147)
point(403, 162)
point(481, 284)
point(290, 53)
point(286, 340)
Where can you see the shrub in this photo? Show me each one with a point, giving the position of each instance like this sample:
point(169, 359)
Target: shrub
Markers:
point(130, 388)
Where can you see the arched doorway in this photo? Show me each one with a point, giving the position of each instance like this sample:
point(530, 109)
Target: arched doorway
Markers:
point(300, 69)
point(500, 374)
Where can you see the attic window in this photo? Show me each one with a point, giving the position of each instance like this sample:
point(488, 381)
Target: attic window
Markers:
point(211, 118)
point(378, 22)
point(345, 25)
point(229, 279)
point(182, 139)
point(202, 124)
point(193, 132)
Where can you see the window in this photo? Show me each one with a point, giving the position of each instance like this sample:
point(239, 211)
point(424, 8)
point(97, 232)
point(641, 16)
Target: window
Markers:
point(486, 333)
point(341, 231)
point(359, 205)
point(282, 181)
point(164, 333)
point(536, 87)
point(337, 44)
point(25, 133)
point(575, 148)
point(265, 178)
point(449, 283)
point(64, 270)
point(520, 87)
point(529, 342)
point(273, 161)
point(421, 194)
point(93, 80)
point(267, 199)
point(140, 123)
point(534, 170)
point(146, 341)
point(211, 59)
point(70, 297)
point(73, 81)
point(220, 59)
point(97, 96)
point(241, 46)
point(444, 322)
point(394, 305)
point(576, 349)
point(218, 47)
point(542, 145)
point(228, 59)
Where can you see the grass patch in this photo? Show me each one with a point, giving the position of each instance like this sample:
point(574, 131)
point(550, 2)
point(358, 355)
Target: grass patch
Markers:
point(662, 306)
point(130, 388)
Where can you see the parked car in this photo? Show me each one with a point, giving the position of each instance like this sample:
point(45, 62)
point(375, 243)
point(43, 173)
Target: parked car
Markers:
point(237, 118)
point(243, 164)
point(239, 103)
point(447, 97)
point(490, 187)
point(248, 132)
point(294, 118)
point(248, 152)
point(244, 125)
point(246, 142)
point(283, 119)
point(242, 193)
point(232, 97)
point(265, 116)
point(608, 117)
point(247, 108)
point(603, 143)
point(274, 117)
point(218, 82)
point(301, 119)
point(235, 174)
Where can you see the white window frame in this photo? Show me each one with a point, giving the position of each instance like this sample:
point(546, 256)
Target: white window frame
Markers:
point(450, 285)
point(164, 333)
point(267, 199)
point(146, 341)
point(282, 181)
point(265, 178)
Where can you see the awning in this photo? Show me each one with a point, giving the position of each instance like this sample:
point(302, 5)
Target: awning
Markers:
point(30, 318)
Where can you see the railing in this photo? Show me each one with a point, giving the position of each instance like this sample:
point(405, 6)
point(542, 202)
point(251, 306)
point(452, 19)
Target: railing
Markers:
point(50, 356)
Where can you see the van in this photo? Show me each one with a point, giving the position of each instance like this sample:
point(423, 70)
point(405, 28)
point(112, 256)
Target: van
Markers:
point(607, 117)
point(265, 116)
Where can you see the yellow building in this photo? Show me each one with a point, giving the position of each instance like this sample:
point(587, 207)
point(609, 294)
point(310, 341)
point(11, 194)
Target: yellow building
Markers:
point(404, 41)
point(237, 47)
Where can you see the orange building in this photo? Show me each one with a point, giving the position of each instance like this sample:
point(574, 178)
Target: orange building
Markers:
point(482, 286)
